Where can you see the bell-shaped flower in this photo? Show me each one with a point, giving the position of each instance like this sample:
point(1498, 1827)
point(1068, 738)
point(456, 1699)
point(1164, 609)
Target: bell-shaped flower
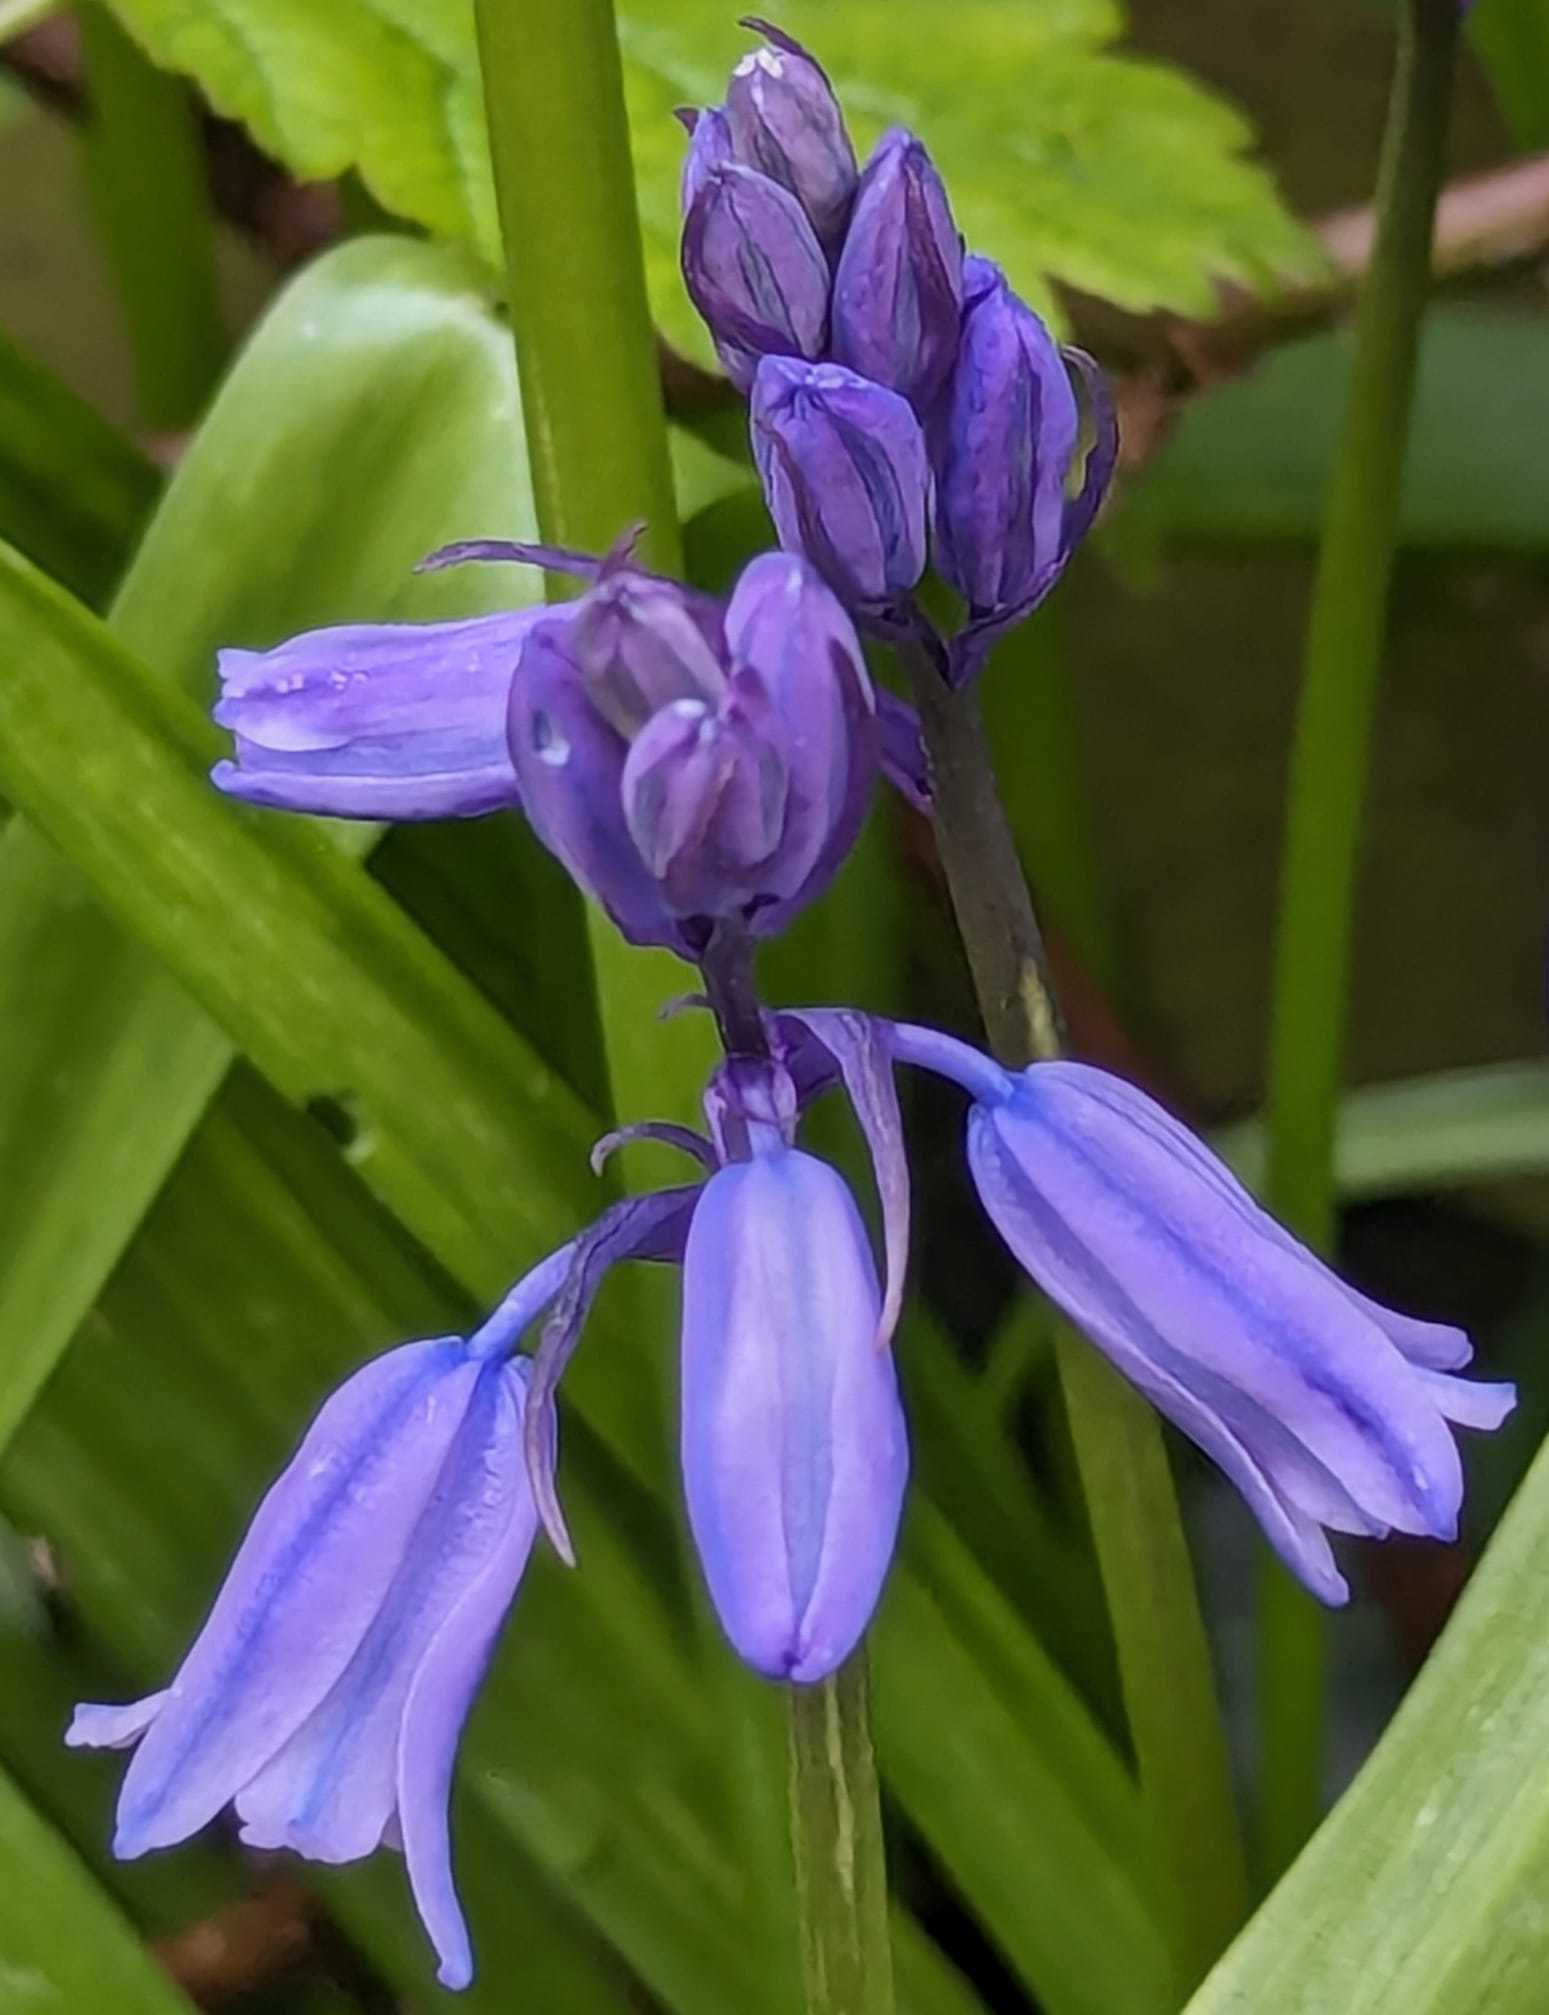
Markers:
point(690, 762)
point(845, 477)
point(754, 269)
point(1326, 1409)
point(376, 721)
point(326, 1693)
point(898, 287)
point(783, 119)
point(795, 1452)
point(1005, 446)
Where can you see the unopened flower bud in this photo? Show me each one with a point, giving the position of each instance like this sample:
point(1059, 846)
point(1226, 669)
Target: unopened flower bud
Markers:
point(845, 476)
point(1005, 447)
point(784, 120)
point(754, 270)
point(898, 290)
point(709, 146)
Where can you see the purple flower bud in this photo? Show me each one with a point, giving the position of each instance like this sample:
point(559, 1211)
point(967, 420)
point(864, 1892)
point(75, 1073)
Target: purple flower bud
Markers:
point(845, 477)
point(795, 1453)
point(642, 642)
point(326, 1693)
point(569, 762)
point(754, 270)
point(784, 120)
point(704, 791)
point(898, 290)
point(1005, 443)
point(784, 624)
point(390, 721)
point(1325, 1409)
point(710, 146)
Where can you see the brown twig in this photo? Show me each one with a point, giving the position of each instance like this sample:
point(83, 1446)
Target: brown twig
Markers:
point(242, 1946)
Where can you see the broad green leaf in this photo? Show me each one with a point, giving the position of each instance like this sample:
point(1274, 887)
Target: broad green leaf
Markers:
point(371, 417)
point(61, 1940)
point(1511, 38)
point(1252, 460)
point(73, 492)
point(1424, 1890)
point(1066, 160)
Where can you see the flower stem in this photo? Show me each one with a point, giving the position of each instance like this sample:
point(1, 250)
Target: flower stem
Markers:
point(1329, 765)
point(1164, 1659)
point(596, 436)
point(836, 1829)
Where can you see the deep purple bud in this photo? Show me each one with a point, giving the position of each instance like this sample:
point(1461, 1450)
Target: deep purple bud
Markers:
point(795, 1453)
point(1007, 440)
point(754, 270)
point(327, 1691)
point(710, 146)
point(387, 721)
point(898, 290)
point(1325, 1409)
point(785, 624)
point(704, 793)
point(845, 476)
point(570, 763)
point(641, 642)
point(784, 120)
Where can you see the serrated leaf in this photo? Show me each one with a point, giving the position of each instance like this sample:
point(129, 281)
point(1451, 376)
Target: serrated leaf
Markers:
point(1065, 159)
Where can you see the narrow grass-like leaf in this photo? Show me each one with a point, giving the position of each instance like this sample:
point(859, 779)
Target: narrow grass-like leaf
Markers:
point(353, 436)
point(61, 1939)
point(1425, 1888)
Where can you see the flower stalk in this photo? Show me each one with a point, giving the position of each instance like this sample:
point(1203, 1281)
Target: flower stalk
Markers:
point(1329, 768)
point(597, 441)
point(1164, 1660)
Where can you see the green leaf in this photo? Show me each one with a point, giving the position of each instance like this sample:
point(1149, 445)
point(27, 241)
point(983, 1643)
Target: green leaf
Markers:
point(73, 492)
point(1252, 461)
point(61, 1940)
point(1424, 1889)
point(1450, 1128)
point(369, 419)
point(1066, 160)
point(1511, 38)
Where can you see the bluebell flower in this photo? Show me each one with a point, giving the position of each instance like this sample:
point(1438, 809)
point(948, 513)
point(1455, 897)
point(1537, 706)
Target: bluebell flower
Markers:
point(846, 478)
point(326, 1693)
point(1004, 448)
point(783, 119)
point(898, 287)
point(754, 269)
point(376, 721)
point(1326, 1409)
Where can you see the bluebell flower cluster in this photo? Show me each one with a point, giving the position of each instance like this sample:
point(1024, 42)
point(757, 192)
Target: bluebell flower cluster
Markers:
point(702, 767)
point(906, 405)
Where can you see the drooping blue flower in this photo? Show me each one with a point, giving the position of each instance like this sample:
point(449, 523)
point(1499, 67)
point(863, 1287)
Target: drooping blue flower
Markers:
point(1324, 1408)
point(846, 478)
point(326, 1693)
point(795, 1452)
point(898, 287)
point(376, 721)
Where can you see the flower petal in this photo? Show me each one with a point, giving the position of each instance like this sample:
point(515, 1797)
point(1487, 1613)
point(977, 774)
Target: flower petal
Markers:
point(442, 1691)
point(318, 1561)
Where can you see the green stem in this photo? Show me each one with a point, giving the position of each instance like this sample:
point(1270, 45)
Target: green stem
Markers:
point(1327, 787)
point(836, 1829)
point(596, 436)
point(1164, 1658)
point(145, 175)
